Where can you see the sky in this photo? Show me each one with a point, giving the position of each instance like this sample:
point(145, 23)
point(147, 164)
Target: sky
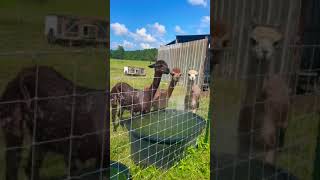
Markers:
point(144, 24)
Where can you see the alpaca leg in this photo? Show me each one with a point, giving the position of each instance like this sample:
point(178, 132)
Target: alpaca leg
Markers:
point(120, 115)
point(114, 112)
point(270, 156)
point(282, 133)
point(269, 138)
point(39, 155)
point(13, 157)
point(72, 165)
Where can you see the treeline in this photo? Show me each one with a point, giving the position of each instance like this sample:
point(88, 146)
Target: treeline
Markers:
point(146, 54)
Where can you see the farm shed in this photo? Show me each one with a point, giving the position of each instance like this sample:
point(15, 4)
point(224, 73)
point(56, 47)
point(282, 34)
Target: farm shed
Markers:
point(135, 71)
point(188, 52)
point(76, 29)
point(237, 80)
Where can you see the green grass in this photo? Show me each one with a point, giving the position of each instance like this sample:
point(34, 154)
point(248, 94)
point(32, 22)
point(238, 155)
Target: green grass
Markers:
point(195, 165)
point(22, 29)
point(300, 140)
point(90, 73)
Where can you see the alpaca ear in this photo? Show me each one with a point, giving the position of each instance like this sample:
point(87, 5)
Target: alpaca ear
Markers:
point(253, 23)
point(152, 66)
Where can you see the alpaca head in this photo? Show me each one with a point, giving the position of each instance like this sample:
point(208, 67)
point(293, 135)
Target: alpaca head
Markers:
point(161, 67)
point(192, 74)
point(176, 74)
point(221, 36)
point(264, 41)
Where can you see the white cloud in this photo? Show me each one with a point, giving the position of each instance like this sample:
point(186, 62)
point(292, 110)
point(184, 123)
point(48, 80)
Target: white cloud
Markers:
point(204, 25)
point(127, 45)
point(178, 30)
point(142, 35)
point(160, 29)
point(145, 46)
point(150, 36)
point(198, 2)
point(205, 20)
point(119, 29)
point(114, 45)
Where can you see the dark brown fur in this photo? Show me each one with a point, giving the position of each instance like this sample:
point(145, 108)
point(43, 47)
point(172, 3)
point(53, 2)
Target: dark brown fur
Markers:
point(135, 100)
point(53, 117)
point(162, 96)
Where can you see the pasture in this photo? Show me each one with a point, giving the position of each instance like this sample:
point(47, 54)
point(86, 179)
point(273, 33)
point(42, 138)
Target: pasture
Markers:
point(23, 44)
point(195, 165)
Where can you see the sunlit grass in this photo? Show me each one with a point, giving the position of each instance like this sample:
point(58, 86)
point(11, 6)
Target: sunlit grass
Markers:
point(195, 165)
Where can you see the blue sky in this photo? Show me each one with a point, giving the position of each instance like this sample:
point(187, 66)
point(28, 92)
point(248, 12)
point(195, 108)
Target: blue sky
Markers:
point(142, 24)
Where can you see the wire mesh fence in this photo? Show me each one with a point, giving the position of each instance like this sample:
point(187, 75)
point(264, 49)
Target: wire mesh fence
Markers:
point(50, 111)
point(52, 95)
point(153, 142)
point(269, 122)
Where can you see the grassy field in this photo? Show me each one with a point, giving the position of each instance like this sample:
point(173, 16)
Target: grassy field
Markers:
point(196, 163)
point(22, 30)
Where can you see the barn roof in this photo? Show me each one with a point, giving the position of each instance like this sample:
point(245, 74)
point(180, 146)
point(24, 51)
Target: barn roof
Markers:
point(188, 38)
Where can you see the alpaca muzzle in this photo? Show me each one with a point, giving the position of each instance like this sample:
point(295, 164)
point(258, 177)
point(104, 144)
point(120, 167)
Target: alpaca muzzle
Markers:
point(166, 71)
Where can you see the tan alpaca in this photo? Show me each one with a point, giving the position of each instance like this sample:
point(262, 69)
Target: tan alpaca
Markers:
point(271, 116)
point(162, 96)
point(192, 98)
point(264, 40)
point(275, 119)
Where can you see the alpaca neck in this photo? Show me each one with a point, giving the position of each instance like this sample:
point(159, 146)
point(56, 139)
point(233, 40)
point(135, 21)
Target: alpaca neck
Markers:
point(171, 87)
point(155, 83)
point(190, 83)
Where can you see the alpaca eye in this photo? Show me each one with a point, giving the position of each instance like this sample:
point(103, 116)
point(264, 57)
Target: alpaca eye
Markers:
point(253, 42)
point(225, 43)
point(275, 44)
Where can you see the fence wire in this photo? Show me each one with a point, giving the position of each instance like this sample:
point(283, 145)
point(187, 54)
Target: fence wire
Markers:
point(240, 103)
point(152, 143)
point(58, 131)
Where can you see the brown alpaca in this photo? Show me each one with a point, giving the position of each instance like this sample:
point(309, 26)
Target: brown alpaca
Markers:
point(220, 41)
point(135, 100)
point(53, 120)
point(192, 98)
point(161, 98)
point(275, 117)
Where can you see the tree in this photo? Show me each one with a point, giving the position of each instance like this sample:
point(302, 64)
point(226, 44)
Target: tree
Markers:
point(119, 53)
point(145, 54)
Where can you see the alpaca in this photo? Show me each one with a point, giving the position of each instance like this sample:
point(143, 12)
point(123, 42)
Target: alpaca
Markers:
point(220, 35)
point(264, 41)
point(192, 98)
point(220, 40)
point(161, 98)
point(135, 100)
point(52, 101)
point(275, 121)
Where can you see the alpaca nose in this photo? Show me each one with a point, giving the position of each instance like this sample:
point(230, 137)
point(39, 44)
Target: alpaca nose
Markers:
point(264, 52)
point(167, 71)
